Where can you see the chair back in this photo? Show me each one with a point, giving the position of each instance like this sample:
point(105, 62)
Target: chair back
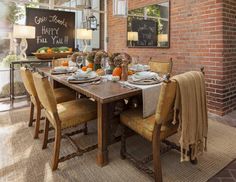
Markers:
point(165, 106)
point(28, 81)
point(162, 67)
point(45, 93)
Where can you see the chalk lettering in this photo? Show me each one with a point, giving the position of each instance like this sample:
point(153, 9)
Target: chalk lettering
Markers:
point(56, 20)
point(49, 31)
point(39, 20)
point(41, 40)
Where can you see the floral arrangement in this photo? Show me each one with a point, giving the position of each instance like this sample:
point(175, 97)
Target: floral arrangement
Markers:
point(112, 57)
point(74, 56)
point(99, 55)
point(91, 56)
point(122, 58)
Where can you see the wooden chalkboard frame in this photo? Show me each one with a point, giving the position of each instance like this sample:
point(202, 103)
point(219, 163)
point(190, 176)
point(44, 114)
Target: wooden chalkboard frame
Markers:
point(169, 36)
point(65, 33)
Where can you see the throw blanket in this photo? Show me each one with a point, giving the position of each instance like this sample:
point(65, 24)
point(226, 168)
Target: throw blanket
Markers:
point(193, 122)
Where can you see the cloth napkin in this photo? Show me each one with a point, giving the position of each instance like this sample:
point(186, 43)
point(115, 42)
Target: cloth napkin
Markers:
point(59, 69)
point(140, 67)
point(150, 96)
point(145, 76)
point(82, 75)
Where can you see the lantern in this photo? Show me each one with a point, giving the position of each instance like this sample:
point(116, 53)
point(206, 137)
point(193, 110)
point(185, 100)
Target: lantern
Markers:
point(92, 23)
point(120, 8)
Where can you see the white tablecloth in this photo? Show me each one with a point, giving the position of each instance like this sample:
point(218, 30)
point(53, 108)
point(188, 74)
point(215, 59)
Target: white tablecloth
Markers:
point(150, 94)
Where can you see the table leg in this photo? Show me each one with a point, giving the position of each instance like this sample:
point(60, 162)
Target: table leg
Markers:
point(102, 120)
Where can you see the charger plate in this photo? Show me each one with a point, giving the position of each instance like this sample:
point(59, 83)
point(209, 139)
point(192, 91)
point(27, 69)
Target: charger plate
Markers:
point(62, 72)
point(144, 82)
point(85, 80)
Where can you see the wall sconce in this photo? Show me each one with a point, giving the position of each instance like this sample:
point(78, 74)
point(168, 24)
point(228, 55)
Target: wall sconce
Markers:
point(92, 23)
point(23, 32)
point(120, 8)
point(132, 36)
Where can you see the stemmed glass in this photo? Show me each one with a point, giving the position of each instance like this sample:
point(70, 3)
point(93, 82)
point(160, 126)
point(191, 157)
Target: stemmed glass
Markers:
point(105, 66)
point(79, 61)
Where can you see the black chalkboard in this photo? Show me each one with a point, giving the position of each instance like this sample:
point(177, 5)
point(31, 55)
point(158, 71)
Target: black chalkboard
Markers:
point(53, 28)
point(147, 32)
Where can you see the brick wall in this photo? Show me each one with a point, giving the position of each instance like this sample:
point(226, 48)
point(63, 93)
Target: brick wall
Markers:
point(196, 31)
point(229, 52)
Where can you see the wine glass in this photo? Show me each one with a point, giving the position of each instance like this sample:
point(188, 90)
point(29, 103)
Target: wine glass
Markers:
point(79, 61)
point(105, 64)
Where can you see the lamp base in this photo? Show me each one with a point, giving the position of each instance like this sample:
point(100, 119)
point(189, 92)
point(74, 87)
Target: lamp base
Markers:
point(85, 46)
point(23, 48)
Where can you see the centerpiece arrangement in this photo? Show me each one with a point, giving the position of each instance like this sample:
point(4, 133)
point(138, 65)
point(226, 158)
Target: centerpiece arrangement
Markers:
point(54, 52)
point(121, 62)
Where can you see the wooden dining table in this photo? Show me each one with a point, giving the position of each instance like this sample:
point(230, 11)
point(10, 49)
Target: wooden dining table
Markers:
point(104, 94)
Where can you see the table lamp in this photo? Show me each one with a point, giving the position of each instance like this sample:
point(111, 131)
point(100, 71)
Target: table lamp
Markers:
point(84, 34)
point(132, 36)
point(23, 32)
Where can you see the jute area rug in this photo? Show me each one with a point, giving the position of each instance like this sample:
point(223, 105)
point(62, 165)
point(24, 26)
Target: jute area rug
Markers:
point(22, 159)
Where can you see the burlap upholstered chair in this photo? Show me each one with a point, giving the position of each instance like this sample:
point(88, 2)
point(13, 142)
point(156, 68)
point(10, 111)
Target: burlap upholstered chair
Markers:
point(61, 116)
point(61, 94)
point(162, 67)
point(154, 128)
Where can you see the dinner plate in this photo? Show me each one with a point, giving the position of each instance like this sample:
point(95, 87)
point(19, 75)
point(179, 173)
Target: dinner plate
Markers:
point(144, 82)
point(80, 75)
point(139, 67)
point(61, 70)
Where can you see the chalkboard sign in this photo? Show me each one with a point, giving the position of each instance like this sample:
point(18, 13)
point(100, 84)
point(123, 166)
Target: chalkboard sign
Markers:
point(147, 32)
point(53, 28)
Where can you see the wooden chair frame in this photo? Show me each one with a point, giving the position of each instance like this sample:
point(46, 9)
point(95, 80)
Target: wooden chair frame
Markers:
point(163, 61)
point(156, 150)
point(56, 159)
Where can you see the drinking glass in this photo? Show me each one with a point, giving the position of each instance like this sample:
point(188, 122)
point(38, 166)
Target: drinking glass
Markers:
point(105, 64)
point(79, 61)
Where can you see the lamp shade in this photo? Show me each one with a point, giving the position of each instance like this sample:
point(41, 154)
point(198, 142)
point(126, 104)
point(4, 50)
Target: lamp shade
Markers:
point(163, 38)
point(22, 31)
point(84, 34)
point(133, 36)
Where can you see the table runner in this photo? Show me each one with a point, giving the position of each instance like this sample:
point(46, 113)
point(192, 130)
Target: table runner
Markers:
point(150, 95)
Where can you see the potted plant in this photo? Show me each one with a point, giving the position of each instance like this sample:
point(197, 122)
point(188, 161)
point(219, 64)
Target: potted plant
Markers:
point(90, 59)
point(98, 57)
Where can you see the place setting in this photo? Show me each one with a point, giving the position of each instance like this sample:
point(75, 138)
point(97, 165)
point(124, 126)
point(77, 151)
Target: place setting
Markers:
point(63, 70)
point(80, 77)
point(145, 78)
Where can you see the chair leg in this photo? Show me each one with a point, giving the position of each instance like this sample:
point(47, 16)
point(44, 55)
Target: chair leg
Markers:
point(85, 129)
point(31, 114)
point(56, 150)
point(156, 154)
point(37, 125)
point(45, 137)
point(123, 142)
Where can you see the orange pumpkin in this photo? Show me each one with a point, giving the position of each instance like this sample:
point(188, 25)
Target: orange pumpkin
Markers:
point(65, 63)
point(84, 68)
point(130, 72)
point(70, 49)
point(90, 65)
point(117, 71)
point(49, 50)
